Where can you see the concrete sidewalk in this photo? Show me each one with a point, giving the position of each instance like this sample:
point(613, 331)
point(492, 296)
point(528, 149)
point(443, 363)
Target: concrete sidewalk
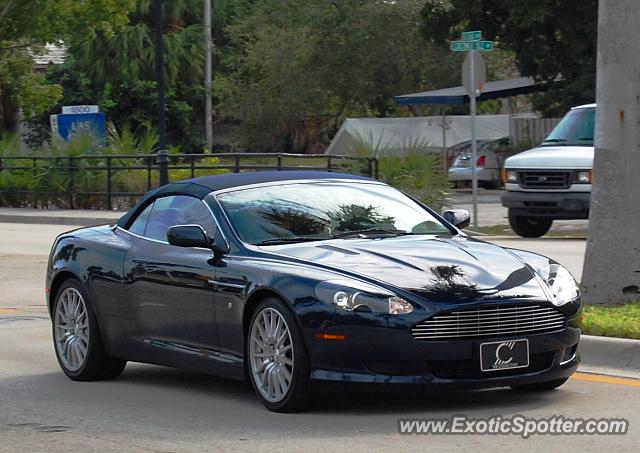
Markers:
point(79, 217)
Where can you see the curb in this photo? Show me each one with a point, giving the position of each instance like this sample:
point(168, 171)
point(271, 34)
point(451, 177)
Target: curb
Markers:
point(56, 220)
point(604, 355)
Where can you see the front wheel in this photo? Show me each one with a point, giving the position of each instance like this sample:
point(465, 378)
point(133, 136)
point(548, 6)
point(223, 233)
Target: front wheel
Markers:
point(540, 386)
point(277, 361)
point(529, 226)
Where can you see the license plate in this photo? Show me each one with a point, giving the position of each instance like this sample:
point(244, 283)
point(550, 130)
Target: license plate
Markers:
point(504, 355)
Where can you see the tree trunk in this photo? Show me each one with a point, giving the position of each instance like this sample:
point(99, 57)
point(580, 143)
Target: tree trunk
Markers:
point(612, 263)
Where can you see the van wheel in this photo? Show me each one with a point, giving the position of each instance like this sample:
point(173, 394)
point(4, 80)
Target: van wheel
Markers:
point(529, 226)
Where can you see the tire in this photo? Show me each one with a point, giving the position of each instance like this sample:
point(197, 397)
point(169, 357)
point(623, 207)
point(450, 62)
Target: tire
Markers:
point(529, 226)
point(76, 337)
point(278, 370)
point(540, 386)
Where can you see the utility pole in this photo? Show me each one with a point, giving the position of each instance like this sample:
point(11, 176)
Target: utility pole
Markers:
point(612, 263)
point(473, 78)
point(159, 29)
point(208, 49)
point(474, 148)
point(162, 119)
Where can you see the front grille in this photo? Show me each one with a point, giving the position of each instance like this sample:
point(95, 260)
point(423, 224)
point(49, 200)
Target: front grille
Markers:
point(490, 322)
point(544, 179)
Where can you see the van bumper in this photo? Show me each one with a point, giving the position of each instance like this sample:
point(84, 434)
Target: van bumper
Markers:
point(557, 205)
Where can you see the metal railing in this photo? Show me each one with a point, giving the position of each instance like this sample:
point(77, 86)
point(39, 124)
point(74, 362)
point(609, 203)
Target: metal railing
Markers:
point(114, 181)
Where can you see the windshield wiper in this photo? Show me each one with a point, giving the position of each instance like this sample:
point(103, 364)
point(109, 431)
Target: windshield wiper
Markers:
point(367, 231)
point(554, 140)
point(288, 240)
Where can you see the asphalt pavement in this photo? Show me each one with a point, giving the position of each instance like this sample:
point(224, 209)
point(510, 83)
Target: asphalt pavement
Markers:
point(151, 408)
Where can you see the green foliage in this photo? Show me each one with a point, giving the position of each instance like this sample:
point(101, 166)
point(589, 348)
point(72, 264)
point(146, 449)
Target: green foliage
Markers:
point(551, 39)
point(43, 21)
point(299, 67)
point(411, 167)
point(54, 179)
point(621, 321)
point(25, 26)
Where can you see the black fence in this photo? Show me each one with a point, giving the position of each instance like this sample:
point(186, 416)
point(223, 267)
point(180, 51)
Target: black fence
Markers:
point(115, 181)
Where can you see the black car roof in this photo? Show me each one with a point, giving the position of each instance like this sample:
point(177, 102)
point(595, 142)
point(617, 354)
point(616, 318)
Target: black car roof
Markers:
point(201, 187)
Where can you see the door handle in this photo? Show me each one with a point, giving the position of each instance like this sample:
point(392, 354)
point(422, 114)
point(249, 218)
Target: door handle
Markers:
point(228, 285)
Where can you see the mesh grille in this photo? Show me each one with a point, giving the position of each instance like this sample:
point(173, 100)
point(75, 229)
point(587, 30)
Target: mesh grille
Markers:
point(490, 322)
point(545, 179)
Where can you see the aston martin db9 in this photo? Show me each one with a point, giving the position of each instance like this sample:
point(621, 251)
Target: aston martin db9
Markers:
point(288, 278)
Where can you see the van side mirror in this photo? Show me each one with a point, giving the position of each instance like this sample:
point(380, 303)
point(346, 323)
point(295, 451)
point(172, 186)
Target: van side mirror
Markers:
point(460, 218)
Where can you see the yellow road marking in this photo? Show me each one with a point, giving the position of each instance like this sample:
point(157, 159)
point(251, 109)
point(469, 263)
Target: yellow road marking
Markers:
point(8, 310)
point(606, 379)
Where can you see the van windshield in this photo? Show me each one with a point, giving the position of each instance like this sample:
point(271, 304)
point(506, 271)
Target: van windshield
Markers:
point(575, 129)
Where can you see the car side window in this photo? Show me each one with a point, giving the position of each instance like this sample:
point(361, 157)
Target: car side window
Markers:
point(178, 210)
point(139, 225)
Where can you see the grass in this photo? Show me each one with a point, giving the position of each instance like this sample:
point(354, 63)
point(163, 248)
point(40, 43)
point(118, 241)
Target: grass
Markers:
point(622, 321)
point(505, 230)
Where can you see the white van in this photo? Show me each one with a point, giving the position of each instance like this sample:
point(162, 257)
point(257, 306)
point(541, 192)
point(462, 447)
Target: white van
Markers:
point(552, 181)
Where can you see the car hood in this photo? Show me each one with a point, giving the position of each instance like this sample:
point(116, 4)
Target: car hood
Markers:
point(439, 269)
point(561, 157)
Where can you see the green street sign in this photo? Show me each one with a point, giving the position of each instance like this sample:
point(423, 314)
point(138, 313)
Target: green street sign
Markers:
point(467, 46)
point(471, 36)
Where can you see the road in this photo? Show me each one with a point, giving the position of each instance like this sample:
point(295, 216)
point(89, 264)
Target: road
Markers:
point(157, 409)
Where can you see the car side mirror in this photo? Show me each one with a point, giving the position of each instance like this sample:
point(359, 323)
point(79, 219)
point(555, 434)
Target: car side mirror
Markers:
point(188, 236)
point(460, 218)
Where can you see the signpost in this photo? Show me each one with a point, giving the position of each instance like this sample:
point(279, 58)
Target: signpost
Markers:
point(474, 75)
point(77, 120)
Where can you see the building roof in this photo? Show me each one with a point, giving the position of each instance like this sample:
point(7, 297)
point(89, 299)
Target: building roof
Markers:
point(52, 54)
point(458, 95)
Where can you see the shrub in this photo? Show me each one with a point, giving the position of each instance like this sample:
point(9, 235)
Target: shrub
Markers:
point(410, 166)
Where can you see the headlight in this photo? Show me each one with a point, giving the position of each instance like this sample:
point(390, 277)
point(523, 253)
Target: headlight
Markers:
point(509, 176)
point(562, 284)
point(584, 177)
point(359, 296)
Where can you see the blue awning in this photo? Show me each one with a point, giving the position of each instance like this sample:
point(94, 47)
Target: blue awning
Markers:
point(458, 95)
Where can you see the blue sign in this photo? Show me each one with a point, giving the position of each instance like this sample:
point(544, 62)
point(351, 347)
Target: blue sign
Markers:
point(80, 124)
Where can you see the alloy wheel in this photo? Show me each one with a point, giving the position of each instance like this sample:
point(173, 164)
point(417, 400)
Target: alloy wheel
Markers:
point(71, 329)
point(271, 355)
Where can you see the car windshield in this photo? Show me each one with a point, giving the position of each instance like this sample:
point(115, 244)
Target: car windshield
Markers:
point(575, 129)
point(299, 212)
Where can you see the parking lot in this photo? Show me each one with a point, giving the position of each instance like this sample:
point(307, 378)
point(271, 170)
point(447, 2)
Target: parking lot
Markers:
point(157, 409)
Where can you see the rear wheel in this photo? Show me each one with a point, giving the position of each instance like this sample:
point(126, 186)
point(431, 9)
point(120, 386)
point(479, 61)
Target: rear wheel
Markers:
point(77, 341)
point(277, 361)
point(540, 386)
point(529, 226)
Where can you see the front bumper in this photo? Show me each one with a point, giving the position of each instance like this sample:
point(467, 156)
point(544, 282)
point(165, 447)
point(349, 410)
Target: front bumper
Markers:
point(558, 205)
point(396, 358)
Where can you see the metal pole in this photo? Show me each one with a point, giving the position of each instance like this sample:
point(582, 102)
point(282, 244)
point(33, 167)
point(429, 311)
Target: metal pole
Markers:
point(159, 26)
point(208, 48)
point(445, 163)
point(163, 167)
point(474, 152)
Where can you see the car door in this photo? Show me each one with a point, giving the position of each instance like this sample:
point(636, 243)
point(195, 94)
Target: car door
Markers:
point(168, 287)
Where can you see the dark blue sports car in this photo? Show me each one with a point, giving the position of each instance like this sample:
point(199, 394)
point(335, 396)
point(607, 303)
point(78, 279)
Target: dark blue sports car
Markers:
point(283, 278)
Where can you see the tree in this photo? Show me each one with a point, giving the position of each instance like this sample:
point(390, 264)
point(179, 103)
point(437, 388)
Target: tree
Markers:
point(551, 39)
point(296, 68)
point(25, 27)
point(612, 264)
point(117, 71)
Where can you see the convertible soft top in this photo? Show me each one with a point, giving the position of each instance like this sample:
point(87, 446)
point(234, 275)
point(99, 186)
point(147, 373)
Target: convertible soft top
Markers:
point(201, 187)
